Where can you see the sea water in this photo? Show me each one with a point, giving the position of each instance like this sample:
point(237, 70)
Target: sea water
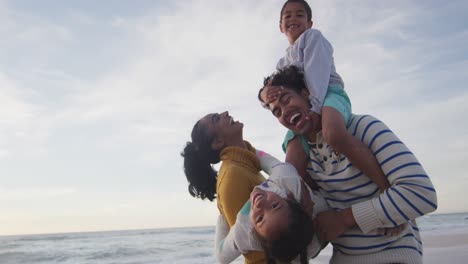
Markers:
point(177, 245)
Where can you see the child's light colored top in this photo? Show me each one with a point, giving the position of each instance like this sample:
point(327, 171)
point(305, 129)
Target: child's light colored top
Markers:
point(240, 239)
point(313, 54)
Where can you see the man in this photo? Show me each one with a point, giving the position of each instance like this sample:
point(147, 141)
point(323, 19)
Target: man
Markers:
point(360, 212)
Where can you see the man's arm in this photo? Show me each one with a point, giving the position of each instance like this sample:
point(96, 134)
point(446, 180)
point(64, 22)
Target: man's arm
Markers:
point(411, 193)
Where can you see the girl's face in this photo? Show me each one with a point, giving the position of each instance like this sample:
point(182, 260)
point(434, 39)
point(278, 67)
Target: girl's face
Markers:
point(223, 127)
point(294, 21)
point(269, 213)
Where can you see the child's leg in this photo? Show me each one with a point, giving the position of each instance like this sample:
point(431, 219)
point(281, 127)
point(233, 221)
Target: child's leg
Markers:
point(336, 135)
point(296, 155)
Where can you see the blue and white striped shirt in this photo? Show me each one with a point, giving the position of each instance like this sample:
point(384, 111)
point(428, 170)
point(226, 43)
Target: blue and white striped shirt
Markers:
point(342, 185)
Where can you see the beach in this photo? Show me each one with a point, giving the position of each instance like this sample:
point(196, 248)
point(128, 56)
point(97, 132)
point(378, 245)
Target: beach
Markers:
point(446, 246)
point(444, 237)
point(440, 246)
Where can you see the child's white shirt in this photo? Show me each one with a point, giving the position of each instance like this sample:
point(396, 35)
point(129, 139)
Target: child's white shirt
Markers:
point(239, 239)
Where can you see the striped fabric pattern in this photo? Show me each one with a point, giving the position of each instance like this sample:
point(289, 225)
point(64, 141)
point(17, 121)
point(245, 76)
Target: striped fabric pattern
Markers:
point(342, 185)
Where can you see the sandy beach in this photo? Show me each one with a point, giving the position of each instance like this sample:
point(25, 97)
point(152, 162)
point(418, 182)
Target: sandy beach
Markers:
point(445, 246)
point(448, 246)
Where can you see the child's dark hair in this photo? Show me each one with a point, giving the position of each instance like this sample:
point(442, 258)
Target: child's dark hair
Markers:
point(293, 241)
point(306, 7)
point(198, 159)
point(289, 77)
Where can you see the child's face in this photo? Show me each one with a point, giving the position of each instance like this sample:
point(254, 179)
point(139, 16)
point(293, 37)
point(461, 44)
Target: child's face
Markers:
point(269, 213)
point(294, 21)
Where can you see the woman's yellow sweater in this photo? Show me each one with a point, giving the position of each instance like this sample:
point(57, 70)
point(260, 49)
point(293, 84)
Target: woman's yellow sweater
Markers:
point(238, 175)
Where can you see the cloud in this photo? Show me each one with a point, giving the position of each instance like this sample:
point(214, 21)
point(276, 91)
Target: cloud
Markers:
point(104, 103)
point(34, 194)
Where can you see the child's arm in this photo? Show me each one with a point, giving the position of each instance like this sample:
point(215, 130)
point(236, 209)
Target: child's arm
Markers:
point(225, 246)
point(231, 243)
point(317, 55)
point(284, 174)
point(267, 162)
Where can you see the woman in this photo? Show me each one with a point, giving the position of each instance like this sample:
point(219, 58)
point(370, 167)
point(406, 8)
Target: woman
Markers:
point(217, 137)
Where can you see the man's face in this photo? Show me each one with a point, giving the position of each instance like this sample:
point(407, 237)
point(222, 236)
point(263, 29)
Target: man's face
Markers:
point(292, 110)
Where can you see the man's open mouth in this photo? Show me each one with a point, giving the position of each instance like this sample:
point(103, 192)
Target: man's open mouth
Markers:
point(294, 119)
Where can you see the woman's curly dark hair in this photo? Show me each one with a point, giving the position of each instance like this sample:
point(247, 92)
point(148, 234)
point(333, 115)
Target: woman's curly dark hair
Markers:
point(198, 159)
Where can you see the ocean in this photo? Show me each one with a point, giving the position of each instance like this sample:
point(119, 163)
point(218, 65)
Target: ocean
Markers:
point(176, 245)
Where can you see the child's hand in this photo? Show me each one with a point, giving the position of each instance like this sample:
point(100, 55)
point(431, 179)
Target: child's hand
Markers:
point(270, 93)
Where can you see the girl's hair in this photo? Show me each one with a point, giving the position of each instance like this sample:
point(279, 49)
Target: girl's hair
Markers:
point(289, 77)
point(198, 159)
point(306, 7)
point(293, 241)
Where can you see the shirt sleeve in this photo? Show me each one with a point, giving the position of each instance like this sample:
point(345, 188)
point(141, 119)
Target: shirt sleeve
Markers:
point(225, 245)
point(267, 162)
point(317, 55)
point(411, 193)
point(283, 173)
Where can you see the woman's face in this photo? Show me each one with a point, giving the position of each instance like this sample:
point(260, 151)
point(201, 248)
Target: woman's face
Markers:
point(269, 213)
point(222, 126)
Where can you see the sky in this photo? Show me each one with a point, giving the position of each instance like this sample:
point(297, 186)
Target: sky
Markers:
point(98, 98)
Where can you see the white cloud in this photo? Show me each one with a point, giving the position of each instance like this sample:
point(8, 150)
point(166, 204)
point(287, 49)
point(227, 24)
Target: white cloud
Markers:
point(109, 101)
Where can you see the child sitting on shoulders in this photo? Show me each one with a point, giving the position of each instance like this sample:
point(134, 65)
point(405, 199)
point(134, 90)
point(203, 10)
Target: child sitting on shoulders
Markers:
point(312, 53)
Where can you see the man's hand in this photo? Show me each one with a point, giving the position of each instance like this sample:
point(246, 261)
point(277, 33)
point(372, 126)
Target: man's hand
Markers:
point(331, 224)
